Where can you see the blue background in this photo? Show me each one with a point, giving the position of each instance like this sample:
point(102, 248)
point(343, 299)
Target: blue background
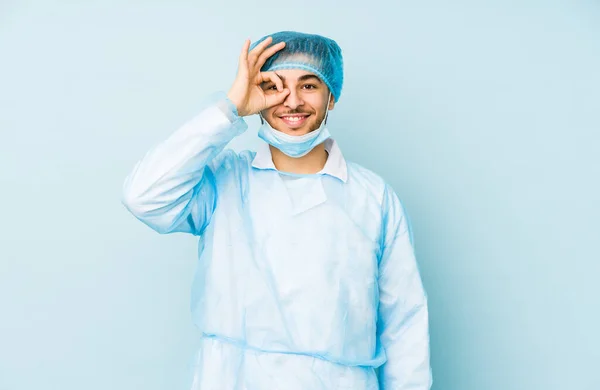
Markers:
point(484, 116)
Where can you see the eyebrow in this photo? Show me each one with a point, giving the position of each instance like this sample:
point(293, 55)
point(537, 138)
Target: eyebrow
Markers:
point(303, 77)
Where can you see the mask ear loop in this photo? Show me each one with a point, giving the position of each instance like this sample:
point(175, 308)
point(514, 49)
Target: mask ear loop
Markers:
point(327, 108)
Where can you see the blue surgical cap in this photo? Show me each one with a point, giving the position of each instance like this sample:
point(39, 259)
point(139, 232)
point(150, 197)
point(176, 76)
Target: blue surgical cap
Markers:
point(313, 53)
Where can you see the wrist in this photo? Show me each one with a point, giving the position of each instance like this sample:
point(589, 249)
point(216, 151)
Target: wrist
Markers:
point(236, 104)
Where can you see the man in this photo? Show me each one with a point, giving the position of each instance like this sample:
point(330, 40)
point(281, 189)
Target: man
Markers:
point(306, 277)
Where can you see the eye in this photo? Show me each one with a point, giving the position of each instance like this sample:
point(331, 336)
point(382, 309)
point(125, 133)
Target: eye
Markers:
point(270, 87)
point(310, 86)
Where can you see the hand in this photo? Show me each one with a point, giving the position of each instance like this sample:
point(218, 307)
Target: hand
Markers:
point(246, 92)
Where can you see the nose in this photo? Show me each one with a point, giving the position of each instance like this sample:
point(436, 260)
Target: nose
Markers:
point(293, 100)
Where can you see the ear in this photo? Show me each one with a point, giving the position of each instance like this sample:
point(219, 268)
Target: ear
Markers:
point(331, 103)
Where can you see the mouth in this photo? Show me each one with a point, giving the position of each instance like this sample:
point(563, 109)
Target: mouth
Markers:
point(294, 121)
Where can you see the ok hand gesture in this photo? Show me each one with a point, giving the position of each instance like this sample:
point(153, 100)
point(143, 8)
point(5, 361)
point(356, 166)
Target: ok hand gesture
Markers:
point(246, 92)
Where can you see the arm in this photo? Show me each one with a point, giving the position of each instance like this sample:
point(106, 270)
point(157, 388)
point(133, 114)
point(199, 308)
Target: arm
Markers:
point(172, 189)
point(402, 326)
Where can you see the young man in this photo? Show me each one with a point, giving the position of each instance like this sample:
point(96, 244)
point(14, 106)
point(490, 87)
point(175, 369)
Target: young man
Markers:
point(306, 278)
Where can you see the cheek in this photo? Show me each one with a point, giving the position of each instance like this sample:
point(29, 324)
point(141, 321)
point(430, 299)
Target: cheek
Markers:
point(269, 112)
point(314, 102)
point(316, 98)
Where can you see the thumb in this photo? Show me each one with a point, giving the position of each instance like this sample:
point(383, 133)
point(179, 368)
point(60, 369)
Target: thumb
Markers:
point(278, 98)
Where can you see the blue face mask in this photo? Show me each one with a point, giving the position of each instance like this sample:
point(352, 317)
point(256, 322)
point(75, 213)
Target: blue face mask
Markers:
point(294, 145)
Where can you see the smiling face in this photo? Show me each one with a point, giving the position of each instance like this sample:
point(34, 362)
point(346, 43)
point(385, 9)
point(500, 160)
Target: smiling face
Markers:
point(304, 108)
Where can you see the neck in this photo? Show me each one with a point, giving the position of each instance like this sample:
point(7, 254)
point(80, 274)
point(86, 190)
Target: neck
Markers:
point(312, 163)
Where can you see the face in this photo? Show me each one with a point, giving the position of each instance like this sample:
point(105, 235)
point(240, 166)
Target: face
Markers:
point(304, 108)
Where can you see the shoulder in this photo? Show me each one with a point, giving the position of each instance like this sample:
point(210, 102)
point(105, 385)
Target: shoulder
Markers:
point(392, 207)
point(372, 182)
point(229, 160)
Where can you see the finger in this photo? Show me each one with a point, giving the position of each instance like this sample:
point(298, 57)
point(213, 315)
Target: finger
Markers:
point(277, 98)
point(244, 53)
point(272, 76)
point(254, 53)
point(268, 53)
point(243, 60)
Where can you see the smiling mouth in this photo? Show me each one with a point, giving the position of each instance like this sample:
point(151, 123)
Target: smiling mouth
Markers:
point(294, 121)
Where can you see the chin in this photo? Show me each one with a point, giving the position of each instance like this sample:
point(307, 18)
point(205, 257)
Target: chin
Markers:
point(296, 130)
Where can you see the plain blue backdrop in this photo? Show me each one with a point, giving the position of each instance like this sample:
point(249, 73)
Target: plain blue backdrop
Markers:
point(484, 116)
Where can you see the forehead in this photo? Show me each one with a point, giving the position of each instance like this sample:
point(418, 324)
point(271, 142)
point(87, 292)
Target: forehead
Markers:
point(294, 74)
